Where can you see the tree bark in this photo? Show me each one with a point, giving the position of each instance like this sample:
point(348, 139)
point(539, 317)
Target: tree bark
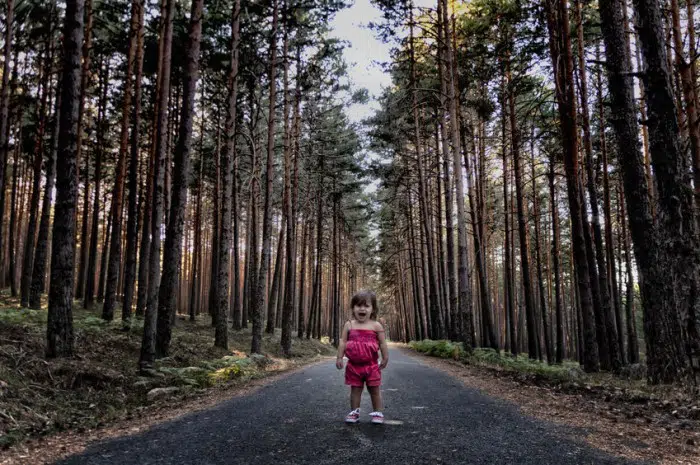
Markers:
point(464, 301)
point(256, 343)
point(5, 110)
point(132, 224)
point(172, 252)
point(42, 244)
point(560, 47)
point(101, 129)
point(84, 77)
point(115, 252)
point(59, 333)
point(148, 346)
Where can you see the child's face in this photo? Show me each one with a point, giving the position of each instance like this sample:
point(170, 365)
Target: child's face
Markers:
point(362, 312)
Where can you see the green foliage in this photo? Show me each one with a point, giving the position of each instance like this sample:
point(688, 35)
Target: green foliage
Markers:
point(522, 364)
point(441, 348)
point(567, 371)
point(21, 316)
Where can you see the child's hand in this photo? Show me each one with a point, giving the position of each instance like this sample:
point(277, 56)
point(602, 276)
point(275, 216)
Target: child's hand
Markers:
point(385, 362)
point(339, 363)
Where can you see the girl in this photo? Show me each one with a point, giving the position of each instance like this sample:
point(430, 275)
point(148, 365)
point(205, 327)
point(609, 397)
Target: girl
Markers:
point(360, 342)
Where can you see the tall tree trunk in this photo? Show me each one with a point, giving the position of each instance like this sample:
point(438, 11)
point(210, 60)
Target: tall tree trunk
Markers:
point(28, 260)
point(42, 244)
point(630, 319)
point(216, 226)
point(678, 239)
point(291, 160)
point(221, 301)
point(538, 255)
point(559, 356)
point(560, 47)
point(13, 215)
point(148, 345)
point(59, 332)
point(508, 279)
point(437, 328)
point(302, 283)
point(665, 350)
point(105, 249)
point(275, 285)
point(606, 310)
point(256, 343)
point(132, 224)
point(5, 110)
point(689, 95)
point(608, 217)
point(236, 38)
point(84, 77)
point(101, 129)
point(532, 344)
point(115, 252)
point(172, 252)
point(464, 301)
point(451, 271)
point(490, 338)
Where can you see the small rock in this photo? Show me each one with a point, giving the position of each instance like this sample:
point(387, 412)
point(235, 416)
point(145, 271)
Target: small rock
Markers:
point(158, 393)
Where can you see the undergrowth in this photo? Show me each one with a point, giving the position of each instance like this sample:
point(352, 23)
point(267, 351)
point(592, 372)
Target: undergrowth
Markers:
point(567, 371)
point(101, 383)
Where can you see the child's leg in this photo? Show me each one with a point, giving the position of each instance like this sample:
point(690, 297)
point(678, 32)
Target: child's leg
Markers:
point(376, 395)
point(355, 397)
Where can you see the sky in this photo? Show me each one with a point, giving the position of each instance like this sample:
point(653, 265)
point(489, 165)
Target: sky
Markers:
point(365, 52)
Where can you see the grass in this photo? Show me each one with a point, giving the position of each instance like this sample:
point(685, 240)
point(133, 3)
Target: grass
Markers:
point(101, 384)
point(567, 371)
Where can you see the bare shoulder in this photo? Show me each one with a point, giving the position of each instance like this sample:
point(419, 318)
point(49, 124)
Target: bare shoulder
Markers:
point(377, 326)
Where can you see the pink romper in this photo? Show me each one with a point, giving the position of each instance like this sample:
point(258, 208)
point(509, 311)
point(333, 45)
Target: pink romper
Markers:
point(362, 351)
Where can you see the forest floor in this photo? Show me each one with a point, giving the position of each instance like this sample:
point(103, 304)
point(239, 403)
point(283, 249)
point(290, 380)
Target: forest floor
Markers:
point(59, 404)
point(624, 417)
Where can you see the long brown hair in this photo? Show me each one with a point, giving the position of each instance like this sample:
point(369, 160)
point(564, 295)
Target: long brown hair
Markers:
point(366, 297)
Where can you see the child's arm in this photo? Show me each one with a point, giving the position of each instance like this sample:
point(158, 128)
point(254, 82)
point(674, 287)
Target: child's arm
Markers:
point(341, 346)
point(383, 347)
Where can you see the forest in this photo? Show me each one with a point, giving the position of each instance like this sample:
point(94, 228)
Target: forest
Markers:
point(536, 164)
point(540, 167)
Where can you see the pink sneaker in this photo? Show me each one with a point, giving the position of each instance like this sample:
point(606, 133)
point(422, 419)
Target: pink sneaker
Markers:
point(377, 418)
point(353, 417)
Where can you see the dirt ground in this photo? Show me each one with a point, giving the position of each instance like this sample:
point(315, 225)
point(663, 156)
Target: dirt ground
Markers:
point(619, 428)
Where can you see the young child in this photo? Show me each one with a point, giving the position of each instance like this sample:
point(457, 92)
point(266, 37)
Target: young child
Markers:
point(361, 340)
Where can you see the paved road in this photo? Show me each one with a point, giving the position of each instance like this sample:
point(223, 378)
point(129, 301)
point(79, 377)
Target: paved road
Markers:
point(432, 418)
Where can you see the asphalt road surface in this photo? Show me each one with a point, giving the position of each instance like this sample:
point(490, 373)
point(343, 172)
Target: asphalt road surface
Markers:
point(431, 418)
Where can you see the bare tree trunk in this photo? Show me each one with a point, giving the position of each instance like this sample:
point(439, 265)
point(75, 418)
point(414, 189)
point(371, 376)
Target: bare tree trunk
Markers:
point(84, 76)
point(148, 347)
point(302, 280)
point(59, 333)
point(115, 252)
point(28, 260)
point(611, 341)
point(538, 255)
point(132, 226)
point(559, 357)
point(464, 301)
point(101, 128)
point(172, 252)
point(4, 110)
point(560, 46)
point(275, 286)
point(291, 199)
point(258, 306)
point(42, 244)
